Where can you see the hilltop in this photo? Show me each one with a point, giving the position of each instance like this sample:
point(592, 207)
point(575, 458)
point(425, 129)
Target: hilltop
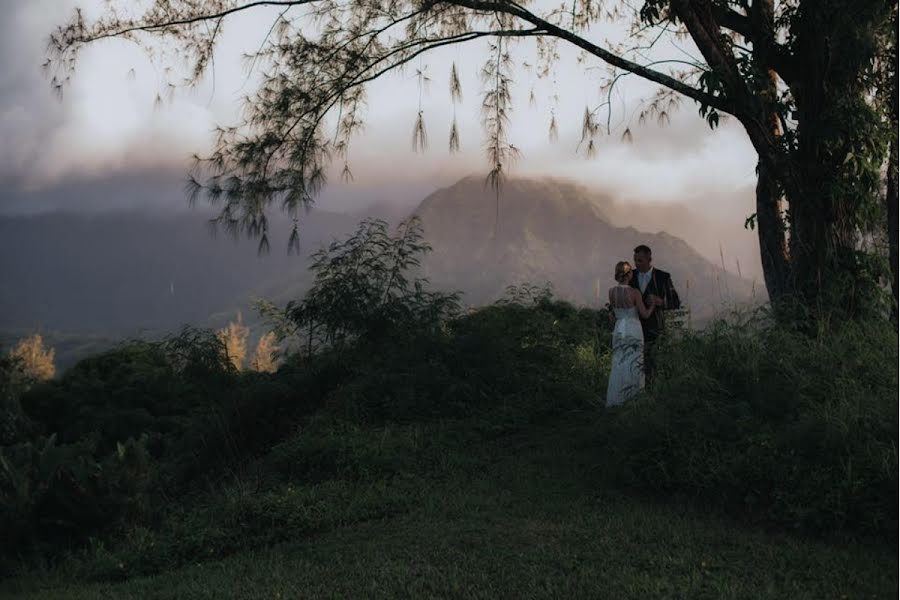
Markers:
point(557, 232)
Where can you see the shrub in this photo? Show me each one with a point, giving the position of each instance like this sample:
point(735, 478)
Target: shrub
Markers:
point(36, 361)
point(140, 387)
point(14, 425)
point(364, 289)
point(57, 494)
point(795, 430)
point(540, 358)
point(264, 356)
point(234, 339)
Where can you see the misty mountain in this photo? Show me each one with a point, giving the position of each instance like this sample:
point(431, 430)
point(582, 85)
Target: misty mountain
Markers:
point(717, 231)
point(551, 231)
point(124, 273)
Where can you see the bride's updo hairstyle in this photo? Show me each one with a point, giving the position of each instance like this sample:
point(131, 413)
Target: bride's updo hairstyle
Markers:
point(623, 268)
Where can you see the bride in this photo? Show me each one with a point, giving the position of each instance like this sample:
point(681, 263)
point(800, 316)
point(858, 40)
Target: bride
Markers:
point(627, 375)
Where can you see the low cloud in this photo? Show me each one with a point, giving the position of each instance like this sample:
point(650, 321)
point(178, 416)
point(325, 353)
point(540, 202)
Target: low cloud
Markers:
point(108, 120)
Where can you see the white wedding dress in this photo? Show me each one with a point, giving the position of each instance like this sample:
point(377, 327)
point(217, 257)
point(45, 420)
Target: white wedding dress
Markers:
point(626, 378)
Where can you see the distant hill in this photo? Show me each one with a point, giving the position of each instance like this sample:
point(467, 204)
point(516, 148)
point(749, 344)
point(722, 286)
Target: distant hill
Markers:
point(124, 273)
point(552, 231)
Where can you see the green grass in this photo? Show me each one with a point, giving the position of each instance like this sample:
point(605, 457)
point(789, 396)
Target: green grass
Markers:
point(458, 510)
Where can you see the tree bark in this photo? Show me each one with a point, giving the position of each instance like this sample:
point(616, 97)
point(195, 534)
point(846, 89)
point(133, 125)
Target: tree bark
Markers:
point(891, 195)
point(891, 201)
point(770, 228)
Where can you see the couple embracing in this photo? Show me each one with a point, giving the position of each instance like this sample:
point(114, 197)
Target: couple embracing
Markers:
point(636, 302)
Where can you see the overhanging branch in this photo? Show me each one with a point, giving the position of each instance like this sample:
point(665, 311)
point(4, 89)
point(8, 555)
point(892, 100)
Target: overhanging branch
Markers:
point(734, 21)
point(198, 18)
point(64, 39)
point(615, 60)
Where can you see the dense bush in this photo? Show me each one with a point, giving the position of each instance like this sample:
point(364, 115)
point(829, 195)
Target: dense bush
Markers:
point(124, 430)
point(141, 387)
point(14, 425)
point(536, 359)
point(55, 494)
point(795, 430)
point(35, 361)
point(408, 355)
point(365, 290)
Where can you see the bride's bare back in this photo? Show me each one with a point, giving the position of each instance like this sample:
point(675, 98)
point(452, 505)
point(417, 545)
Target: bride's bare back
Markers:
point(625, 296)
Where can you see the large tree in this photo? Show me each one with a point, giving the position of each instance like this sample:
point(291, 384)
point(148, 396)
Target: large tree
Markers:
point(801, 76)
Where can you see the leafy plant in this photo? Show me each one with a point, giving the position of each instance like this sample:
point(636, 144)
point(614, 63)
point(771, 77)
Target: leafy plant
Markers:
point(52, 493)
point(14, 425)
point(139, 387)
point(365, 289)
point(234, 339)
point(264, 356)
point(35, 360)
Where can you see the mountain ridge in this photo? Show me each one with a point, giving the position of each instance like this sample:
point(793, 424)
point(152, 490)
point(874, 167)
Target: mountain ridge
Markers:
point(556, 232)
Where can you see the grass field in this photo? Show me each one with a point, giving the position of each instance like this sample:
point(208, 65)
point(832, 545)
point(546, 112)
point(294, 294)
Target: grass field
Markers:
point(464, 509)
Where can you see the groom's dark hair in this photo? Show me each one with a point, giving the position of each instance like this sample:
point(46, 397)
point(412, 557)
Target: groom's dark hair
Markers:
point(644, 249)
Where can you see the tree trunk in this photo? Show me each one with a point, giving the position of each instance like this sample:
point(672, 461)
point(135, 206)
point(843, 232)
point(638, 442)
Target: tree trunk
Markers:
point(770, 227)
point(825, 171)
point(824, 179)
point(891, 201)
point(890, 196)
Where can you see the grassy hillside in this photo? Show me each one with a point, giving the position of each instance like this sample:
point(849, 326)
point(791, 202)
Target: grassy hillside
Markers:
point(475, 463)
point(451, 511)
point(408, 449)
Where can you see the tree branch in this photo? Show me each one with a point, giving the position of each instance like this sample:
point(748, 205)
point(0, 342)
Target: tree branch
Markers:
point(371, 71)
point(615, 60)
point(758, 29)
point(735, 21)
point(510, 8)
point(191, 20)
point(768, 51)
point(697, 17)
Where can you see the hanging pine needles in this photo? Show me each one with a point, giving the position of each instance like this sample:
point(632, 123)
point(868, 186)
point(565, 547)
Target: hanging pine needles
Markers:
point(455, 98)
point(420, 136)
point(455, 86)
point(454, 136)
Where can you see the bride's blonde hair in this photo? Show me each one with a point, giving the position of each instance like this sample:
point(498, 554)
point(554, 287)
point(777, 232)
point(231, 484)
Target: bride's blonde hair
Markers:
point(623, 268)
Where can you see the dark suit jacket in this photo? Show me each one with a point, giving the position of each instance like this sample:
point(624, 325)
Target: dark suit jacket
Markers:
point(660, 285)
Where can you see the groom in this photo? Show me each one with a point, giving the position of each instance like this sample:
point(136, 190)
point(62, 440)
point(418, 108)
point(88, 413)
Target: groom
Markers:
point(656, 285)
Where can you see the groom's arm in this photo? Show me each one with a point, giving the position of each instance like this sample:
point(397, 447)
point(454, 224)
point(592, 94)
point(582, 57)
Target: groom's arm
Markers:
point(672, 300)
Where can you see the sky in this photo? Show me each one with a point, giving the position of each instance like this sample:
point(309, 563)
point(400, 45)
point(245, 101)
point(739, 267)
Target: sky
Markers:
point(106, 127)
